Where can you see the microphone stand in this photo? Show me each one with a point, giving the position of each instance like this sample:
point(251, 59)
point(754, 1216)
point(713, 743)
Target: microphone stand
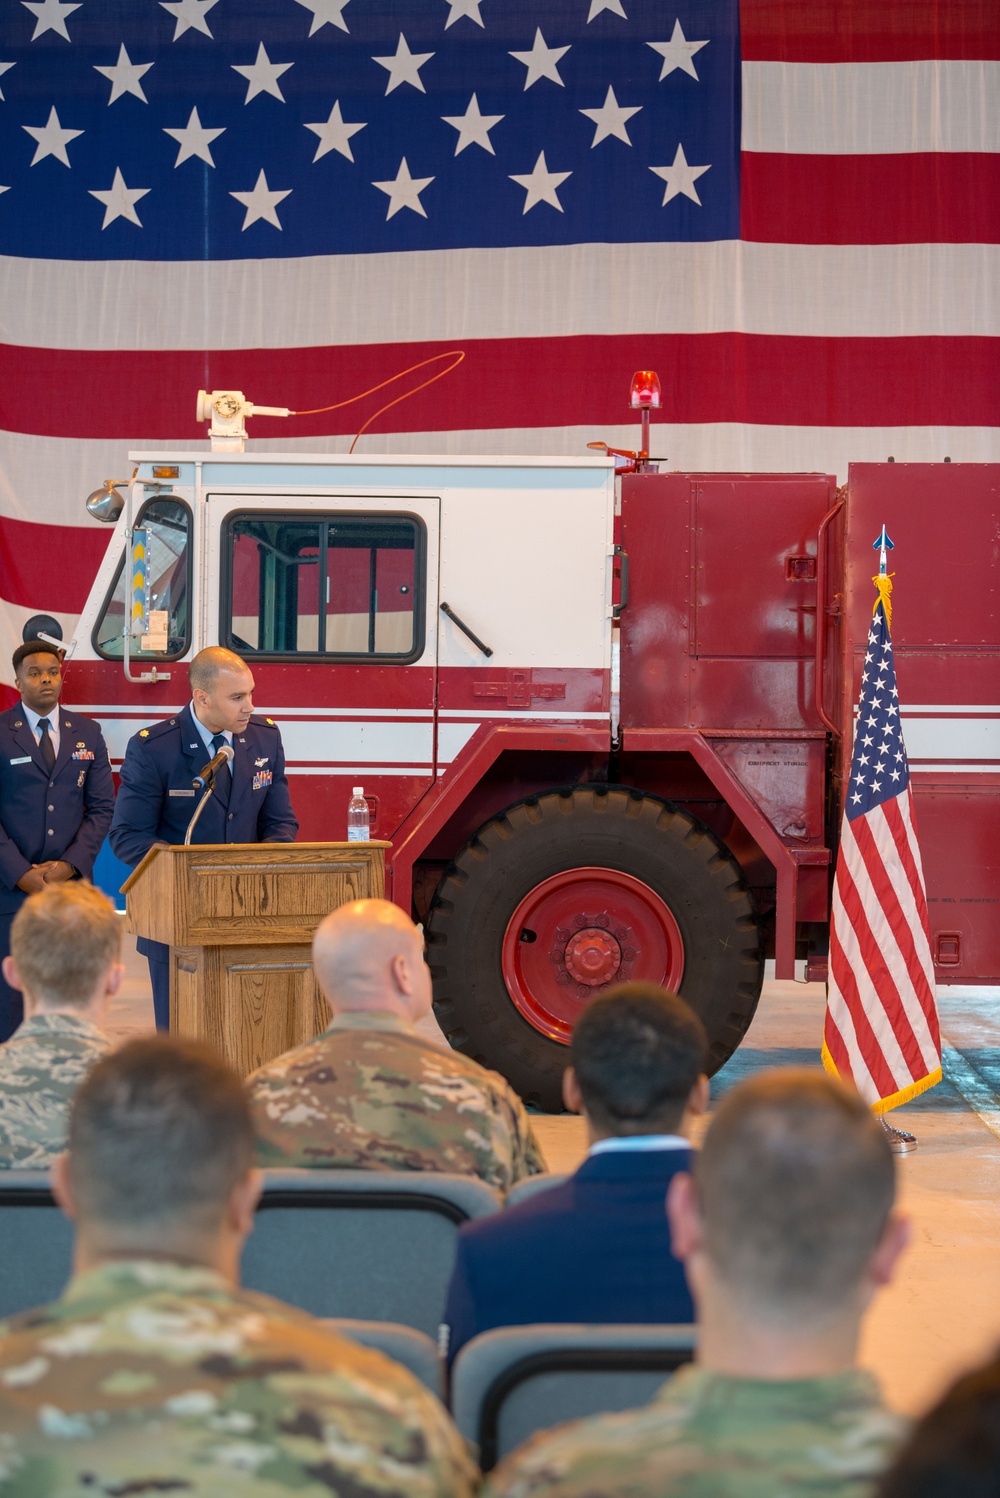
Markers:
point(209, 791)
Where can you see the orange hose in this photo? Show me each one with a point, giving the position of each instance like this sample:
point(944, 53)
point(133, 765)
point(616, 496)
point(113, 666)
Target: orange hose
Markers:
point(456, 355)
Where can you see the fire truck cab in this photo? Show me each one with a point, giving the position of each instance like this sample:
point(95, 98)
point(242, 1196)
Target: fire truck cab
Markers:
point(603, 722)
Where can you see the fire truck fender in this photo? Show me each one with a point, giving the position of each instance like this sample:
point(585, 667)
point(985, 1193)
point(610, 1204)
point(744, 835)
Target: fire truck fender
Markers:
point(566, 894)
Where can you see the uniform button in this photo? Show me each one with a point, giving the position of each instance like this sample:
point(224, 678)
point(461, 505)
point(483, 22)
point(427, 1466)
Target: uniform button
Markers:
point(51, 808)
point(51, 833)
point(230, 816)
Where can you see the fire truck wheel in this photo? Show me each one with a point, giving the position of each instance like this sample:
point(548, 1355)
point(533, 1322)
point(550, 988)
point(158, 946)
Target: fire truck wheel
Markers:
point(561, 898)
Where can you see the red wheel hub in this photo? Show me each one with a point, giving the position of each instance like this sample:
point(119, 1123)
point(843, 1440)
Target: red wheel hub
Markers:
point(579, 932)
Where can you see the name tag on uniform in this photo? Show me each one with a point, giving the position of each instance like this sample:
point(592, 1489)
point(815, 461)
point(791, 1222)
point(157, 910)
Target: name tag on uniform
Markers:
point(25, 759)
point(180, 793)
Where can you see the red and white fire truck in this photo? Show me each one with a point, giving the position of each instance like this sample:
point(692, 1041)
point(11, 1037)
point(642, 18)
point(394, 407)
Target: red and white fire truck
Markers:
point(604, 722)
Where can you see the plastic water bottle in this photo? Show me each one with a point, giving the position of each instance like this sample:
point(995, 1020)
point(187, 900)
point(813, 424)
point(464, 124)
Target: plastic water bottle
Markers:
point(357, 816)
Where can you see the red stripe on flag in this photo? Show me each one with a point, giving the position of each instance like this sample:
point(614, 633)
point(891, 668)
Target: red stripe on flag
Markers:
point(49, 568)
point(868, 1044)
point(885, 991)
point(712, 377)
point(868, 30)
point(923, 198)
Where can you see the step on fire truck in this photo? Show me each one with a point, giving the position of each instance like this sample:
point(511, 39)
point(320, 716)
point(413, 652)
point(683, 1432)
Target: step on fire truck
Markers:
point(604, 721)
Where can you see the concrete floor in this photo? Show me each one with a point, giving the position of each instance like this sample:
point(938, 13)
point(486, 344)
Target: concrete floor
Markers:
point(943, 1311)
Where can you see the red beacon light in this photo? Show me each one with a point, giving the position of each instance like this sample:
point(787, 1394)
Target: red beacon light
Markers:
point(644, 396)
point(645, 392)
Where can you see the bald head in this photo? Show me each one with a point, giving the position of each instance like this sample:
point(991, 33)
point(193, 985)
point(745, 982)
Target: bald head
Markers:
point(207, 664)
point(368, 955)
point(221, 690)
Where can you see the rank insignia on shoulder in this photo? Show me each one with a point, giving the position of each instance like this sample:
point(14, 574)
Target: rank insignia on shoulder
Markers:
point(144, 733)
point(269, 721)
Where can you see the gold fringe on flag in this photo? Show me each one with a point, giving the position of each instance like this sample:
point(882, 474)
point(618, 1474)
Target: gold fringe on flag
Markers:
point(896, 1099)
point(883, 582)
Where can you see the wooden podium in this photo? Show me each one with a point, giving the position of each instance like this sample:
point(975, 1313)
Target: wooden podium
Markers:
point(239, 920)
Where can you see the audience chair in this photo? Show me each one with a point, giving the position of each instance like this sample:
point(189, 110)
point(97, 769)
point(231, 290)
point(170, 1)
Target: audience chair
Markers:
point(530, 1186)
point(370, 1244)
point(36, 1242)
point(404, 1344)
point(509, 1383)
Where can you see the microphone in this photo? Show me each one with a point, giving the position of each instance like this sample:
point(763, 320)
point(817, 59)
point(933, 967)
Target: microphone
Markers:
point(206, 776)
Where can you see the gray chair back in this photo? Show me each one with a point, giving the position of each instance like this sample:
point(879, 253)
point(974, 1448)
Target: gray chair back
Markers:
point(36, 1242)
point(530, 1186)
point(369, 1244)
point(509, 1383)
point(404, 1344)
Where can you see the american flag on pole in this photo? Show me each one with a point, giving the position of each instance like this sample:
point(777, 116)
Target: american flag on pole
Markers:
point(881, 1028)
point(790, 210)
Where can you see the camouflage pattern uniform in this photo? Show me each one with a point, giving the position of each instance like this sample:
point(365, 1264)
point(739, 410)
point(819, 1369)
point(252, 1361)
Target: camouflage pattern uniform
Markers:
point(41, 1066)
point(152, 1377)
point(710, 1436)
point(372, 1094)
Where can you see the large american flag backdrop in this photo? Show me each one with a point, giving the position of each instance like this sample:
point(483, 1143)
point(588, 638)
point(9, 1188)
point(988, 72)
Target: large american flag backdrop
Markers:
point(789, 208)
point(881, 1029)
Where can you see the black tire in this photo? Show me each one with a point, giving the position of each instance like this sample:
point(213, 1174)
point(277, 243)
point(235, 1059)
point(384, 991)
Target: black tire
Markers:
point(681, 861)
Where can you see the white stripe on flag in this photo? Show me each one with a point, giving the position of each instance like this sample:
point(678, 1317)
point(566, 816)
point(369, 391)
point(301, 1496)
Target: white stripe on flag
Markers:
point(819, 291)
point(871, 108)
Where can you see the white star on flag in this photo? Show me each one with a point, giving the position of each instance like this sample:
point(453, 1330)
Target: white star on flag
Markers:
point(326, 13)
point(473, 128)
point(50, 15)
point(189, 15)
point(262, 76)
point(405, 191)
point(52, 139)
point(541, 61)
point(261, 202)
point(677, 53)
point(615, 6)
point(5, 67)
point(540, 184)
point(680, 178)
point(611, 119)
point(119, 201)
point(404, 66)
point(125, 75)
point(335, 134)
point(467, 9)
point(194, 139)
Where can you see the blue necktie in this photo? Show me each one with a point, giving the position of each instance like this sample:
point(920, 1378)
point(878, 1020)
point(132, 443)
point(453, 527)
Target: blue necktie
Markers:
point(224, 775)
point(45, 743)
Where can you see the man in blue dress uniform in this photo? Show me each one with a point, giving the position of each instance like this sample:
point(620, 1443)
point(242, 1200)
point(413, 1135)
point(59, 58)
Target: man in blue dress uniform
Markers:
point(56, 797)
point(156, 800)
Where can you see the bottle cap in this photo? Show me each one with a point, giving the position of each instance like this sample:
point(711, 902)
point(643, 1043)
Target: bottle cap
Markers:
point(358, 790)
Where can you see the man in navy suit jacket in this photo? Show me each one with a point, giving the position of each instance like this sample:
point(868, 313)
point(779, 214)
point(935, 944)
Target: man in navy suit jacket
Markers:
point(597, 1247)
point(56, 797)
point(157, 800)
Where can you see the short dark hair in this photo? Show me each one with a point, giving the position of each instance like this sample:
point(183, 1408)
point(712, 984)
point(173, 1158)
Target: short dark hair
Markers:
point(160, 1133)
point(637, 1051)
point(796, 1181)
point(33, 647)
point(955, 1448)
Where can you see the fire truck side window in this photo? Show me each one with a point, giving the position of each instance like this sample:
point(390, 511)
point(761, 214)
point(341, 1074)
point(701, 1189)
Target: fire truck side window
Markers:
point(335, 585)
point(167, 523)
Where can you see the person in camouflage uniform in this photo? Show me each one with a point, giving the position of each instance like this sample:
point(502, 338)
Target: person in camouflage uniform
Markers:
point(371, 1093)
point(155, 1372)
point(787, 1230)
point(65, 949)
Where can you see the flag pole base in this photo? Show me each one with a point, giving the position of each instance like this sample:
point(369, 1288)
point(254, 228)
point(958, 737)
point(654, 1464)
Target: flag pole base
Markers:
point(900, 1142)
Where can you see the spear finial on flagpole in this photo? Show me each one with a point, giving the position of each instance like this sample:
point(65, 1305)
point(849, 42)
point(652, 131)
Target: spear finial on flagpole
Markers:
point(883, 581)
